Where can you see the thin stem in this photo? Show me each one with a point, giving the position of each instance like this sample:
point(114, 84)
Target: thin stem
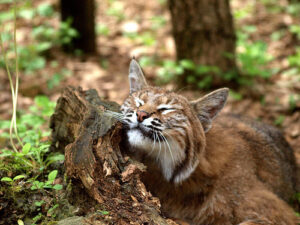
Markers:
point(12, 91)
point(15, 103)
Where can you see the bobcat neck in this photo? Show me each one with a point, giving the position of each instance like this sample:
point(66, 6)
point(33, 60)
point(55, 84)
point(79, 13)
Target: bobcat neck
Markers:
point(231, 180)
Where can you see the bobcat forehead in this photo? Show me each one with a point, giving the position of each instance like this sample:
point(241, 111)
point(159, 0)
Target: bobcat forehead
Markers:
point(138, 102)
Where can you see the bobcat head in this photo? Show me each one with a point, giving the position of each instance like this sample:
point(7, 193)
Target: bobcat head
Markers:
point(166, 127)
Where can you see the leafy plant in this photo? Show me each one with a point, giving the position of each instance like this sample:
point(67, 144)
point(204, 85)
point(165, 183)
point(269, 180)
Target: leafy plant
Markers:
point(47, 184)
point(116, 9)
point(23, 164)
point(11, 181)
point(294, 60)
point(32, 57)
point(252, 58)
point(158, 22)
point(293, 99)
point(243, 12)
point(57, 78)
point(102, 29)
point(34, 154)
point(279, 120)
point(145, 38)
point(295, 29)
point(66, 32)
point(200, 75)
point(293, 8)
point(45, 9)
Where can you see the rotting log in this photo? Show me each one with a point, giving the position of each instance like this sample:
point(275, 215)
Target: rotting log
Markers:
point(105, 186)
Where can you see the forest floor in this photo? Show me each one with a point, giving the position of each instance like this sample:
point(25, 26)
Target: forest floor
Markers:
point(143, 29)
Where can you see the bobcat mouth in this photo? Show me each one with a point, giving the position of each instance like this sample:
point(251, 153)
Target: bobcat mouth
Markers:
point(149, 132)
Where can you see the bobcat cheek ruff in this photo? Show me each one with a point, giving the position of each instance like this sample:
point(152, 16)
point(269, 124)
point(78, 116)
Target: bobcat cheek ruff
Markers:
point(159, 124)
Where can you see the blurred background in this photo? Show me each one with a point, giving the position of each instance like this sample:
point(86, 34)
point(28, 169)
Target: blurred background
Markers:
point(192, 47)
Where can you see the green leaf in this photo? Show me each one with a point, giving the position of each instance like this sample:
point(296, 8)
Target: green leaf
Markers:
point(41, 101)
point(27, 14)
point(103, 212)
point(187, 64)
point(54, 158)
point(20, 222)
point(19, 177)
point(39, 203)
point(5, 16)
point(48, 184)
point(52, 175)
point(279, 120)
point(43, 46)
point(45, 9)
point(6, 179)
point(102, 29)
point(26, 148)
point(235, 95)
point(40, 185)
point(57, 187)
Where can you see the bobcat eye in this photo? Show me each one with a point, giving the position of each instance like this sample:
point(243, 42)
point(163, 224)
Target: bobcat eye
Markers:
point(165, 110)
point(162, 109)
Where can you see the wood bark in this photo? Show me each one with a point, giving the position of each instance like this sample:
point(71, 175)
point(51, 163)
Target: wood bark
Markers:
point(203, 32)
point(95, 164)
point(83, 20)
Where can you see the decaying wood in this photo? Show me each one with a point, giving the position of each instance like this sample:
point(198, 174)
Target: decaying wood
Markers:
point(91, 141)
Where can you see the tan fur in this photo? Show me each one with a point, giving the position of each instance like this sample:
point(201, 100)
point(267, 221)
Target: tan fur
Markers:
point(236, 171)
point(237, 188)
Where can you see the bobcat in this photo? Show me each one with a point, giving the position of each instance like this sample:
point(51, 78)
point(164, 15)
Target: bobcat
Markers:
point(207, 170)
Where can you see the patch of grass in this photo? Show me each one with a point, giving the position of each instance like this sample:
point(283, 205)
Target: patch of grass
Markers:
point(34, 157)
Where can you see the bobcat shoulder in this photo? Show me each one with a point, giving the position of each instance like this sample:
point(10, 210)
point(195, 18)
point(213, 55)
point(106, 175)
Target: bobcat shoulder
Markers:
point(207, 168)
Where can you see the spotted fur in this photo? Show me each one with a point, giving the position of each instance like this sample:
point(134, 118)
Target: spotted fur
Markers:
point(207, 169)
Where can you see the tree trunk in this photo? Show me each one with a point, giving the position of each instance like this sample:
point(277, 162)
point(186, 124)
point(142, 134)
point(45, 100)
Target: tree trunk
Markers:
point(83, 20)
point(93, 161)
point(203, 31)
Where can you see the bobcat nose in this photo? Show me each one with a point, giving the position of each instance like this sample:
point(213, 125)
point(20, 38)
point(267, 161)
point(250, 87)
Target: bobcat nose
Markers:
point(141, 115)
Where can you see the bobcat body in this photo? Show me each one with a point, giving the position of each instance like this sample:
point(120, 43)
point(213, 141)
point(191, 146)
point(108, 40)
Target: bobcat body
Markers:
point(208, 169)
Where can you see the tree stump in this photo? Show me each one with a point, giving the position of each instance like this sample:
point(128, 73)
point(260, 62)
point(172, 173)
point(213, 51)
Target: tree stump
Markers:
point(105, 185)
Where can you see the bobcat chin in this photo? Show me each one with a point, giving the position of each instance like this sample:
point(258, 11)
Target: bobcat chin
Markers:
point(207, 169)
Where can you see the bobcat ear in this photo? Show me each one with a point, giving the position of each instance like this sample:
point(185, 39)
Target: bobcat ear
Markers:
point(208, 107)
point(137, 80)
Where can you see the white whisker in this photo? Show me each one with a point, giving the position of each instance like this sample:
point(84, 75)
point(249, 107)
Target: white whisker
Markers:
point(153, 145)
point(159, 147)
point(169, 148)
